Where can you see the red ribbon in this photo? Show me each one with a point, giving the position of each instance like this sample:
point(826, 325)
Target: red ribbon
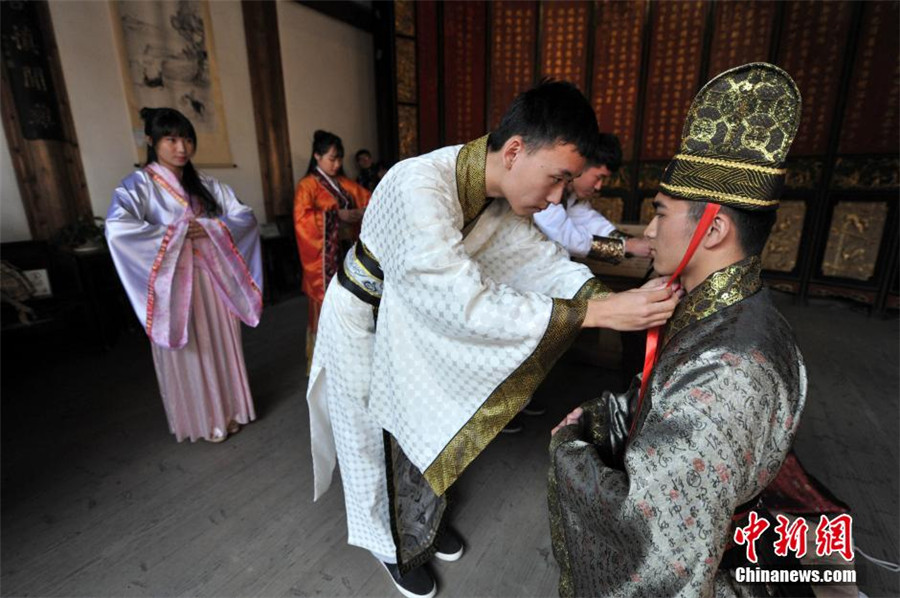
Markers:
point(653, 333)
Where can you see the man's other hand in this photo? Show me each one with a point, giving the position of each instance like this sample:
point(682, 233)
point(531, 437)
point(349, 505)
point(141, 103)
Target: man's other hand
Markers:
point(570, 420)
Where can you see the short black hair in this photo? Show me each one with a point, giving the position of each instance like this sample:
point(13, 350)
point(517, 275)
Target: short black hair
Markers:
point(609, 152)
point(552, 112)
point(363, 152)
point(753, 226)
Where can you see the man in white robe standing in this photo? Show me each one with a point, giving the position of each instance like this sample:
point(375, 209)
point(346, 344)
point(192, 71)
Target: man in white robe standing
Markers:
point(445, 317)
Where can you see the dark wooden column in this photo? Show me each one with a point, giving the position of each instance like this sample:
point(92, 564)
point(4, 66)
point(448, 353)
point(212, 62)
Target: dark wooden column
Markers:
point(269, 106)
point(385, 80)
point(47, 160)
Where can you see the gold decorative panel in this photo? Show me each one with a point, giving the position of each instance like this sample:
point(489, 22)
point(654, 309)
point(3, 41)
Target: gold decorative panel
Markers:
point(647, 211)
point(650, 174)
point(404, 17)
point(854, 239)
point(565, 31)
point(803, 174)
point(612, 208)
point(406, 70)
point(406, 125)
point(866, 173)
point(617, 68)
point(783, 247)
point(620, 179)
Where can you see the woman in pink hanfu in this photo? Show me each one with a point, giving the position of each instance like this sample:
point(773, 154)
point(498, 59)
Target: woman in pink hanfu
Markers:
point(187, 251)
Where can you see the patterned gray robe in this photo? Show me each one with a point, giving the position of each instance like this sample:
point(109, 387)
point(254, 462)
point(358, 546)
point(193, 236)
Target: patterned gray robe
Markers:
point(652, 517)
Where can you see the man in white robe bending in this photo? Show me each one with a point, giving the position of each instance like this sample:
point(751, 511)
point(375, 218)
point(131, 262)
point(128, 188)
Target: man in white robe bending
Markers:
point(445, 317)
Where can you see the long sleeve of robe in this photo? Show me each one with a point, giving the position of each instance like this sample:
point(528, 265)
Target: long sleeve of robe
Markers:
point(146, 227)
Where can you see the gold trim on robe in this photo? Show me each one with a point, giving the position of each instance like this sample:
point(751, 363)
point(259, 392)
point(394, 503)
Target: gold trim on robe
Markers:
point(723, 288)
point(470, 179)
point(607, 249)
point(513, 393)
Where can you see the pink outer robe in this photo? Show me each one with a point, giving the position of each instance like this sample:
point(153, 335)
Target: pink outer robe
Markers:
point(189, 295)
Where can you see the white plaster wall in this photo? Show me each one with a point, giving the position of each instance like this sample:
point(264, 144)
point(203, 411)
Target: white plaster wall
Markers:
point(13, 222)
point(329, 83)
point(96, 91)
point(87, 52)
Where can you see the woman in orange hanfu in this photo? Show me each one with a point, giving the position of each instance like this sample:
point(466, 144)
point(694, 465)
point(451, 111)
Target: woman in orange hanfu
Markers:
point(328, 209)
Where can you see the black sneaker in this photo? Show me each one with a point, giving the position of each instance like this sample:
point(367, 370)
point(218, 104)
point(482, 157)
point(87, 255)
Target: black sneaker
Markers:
point(417, 583)
point(514, 426)
point(533, 408)
point(449, 546)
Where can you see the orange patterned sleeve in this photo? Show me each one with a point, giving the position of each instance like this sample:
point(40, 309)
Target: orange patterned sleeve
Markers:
point(360, 194)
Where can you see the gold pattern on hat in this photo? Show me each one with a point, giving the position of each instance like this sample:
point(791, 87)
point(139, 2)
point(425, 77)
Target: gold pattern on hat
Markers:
point(730, 163)
point(736, 138)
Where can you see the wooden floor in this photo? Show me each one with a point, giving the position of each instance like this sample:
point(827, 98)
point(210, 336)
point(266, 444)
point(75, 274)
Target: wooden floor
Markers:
point(99, 500)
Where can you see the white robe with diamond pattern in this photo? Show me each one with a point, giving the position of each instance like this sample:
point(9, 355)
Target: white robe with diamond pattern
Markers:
point(457, 317)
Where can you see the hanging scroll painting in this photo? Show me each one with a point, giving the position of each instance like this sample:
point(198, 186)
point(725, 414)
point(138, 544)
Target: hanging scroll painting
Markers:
point(167, 56)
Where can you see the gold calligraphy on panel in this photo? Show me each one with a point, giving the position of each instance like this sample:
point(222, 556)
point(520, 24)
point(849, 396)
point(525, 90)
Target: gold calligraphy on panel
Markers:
point(512, 53)
point(564, 32)
point(460, 38)
point(741, 34)
point(812, 49)
point(872, 119)
point(783, 247)
point(617, 65)
point(854, 239)
point(673, 75)
point(23, 38)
